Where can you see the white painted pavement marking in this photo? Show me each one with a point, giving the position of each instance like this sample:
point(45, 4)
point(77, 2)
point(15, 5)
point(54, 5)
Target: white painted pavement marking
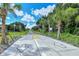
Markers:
point(35, 38)
point(56, 47)
point(59, 47)
point(19, 42)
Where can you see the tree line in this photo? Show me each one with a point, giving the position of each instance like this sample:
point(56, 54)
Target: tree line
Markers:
point(63, 19)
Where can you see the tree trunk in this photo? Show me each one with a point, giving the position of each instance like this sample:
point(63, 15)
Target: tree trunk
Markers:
point(20, 28)
point(58, 29)
point(48, 26)
point(4, 38)
point(43, 29)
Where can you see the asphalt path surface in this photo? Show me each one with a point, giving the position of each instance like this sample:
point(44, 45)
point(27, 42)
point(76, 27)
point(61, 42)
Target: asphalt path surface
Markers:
point(39, 45)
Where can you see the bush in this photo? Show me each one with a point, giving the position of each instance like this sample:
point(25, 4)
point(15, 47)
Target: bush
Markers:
point(69, 38)
point(76, 31)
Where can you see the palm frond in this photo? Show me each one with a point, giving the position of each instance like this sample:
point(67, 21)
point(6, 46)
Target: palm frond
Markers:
point(18, 6)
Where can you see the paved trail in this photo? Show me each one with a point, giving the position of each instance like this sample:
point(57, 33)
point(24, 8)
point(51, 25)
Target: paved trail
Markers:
point(38, 45)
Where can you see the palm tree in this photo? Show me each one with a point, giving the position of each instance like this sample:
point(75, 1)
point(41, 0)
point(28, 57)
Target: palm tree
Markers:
point(59, 16)
point(58, 19)
point(42, 22)
point(50, 21)
point(4, 9)
point(77, 20)
point(63, 14)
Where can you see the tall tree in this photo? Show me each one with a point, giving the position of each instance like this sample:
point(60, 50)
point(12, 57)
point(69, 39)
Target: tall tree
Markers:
point(64, 13)
point(42, 22)
point(4, 9)
point(50, 21)
point(58, 16)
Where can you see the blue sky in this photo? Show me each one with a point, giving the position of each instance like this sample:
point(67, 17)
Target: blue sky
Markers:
point(30, 13)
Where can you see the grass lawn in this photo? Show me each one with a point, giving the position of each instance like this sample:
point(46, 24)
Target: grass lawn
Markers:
point(11, 35)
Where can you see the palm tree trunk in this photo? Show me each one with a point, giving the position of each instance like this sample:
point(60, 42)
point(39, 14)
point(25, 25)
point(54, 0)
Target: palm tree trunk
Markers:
point(59, 29)
point(4, 38)
point(48, 22)
point(43, 28)
point(48, 26)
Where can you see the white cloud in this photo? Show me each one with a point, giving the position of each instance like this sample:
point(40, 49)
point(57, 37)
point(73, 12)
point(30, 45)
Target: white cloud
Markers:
point(28, 26)
point(8, 17)
point(28, 18)
point(12, 5)
point(18, 12)
point(44, 11)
